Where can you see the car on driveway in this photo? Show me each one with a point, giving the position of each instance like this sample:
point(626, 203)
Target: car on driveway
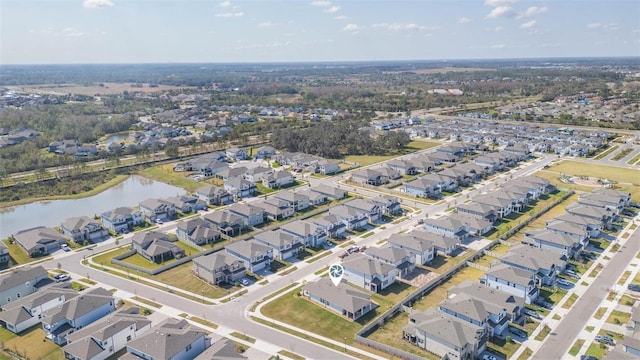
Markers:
point(518, 332)
point(61, 277)
point(244, 282)
point(65, 247)
point(534, 314)
point(605, 340)
point(563, 282)
point(489, 357)
point(545, 304)
point(633, 287)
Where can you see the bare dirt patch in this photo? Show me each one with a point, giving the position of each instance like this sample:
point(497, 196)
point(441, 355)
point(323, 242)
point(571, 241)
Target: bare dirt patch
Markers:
point(419, 277)
point(586, 181)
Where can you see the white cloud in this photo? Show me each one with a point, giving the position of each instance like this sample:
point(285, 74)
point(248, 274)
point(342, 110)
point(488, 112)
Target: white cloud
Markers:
point(352, 28)
point(269, 24)
point(401, 26)
point(498, 46)
point(532, 11)
point(497, 28)
point(71, 32)
point(501, 11)
point(495, 3)
point(264, 46)
point(229, 15)
point(605, 27)
point(321, 3)
point(97, 4)
point(464, 20)
point(341, 17)
point(225, 4)
point(528, 24)
point(332, 9)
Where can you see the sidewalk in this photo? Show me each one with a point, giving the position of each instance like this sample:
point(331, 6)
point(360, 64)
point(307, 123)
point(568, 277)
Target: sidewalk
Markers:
point(579, 289)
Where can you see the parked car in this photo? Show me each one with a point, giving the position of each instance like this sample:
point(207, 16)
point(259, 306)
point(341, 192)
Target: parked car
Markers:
point(61, 277)
point(588, 357)
point(159, 222)
point(542, 302)
point(572, 273)
point(489, 357)
point(518, 332)
point(633, 287)
point(244, 282)
point(65, 247)
point(563, 282)
point(605, 340)
point(534, 314)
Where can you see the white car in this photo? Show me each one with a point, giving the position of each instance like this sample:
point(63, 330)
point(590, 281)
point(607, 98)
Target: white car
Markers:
point(563, 282)
point(65, 247)
point(159, 222)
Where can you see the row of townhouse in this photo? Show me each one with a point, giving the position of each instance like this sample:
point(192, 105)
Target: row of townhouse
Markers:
point(569, 233)
point(462, 323)
point(299, 162)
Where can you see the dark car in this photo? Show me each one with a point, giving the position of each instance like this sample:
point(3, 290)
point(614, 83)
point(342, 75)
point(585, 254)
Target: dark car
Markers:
point(518, 332)
point(588, 357)
point(633, 287)
point(532, 313)
point(545, 304)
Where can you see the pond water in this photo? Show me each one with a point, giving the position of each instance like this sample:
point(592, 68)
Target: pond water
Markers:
point(116, 138)
point(52, 213)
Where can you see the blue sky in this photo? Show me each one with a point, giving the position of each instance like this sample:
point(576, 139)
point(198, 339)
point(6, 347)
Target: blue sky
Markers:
point(160, 31)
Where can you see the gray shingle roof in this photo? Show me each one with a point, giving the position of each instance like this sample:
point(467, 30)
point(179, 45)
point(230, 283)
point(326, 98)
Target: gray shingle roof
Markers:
point(167, 339)
point(446, 328)
point(40, 235)
point(343, 295)
point(21, 276)
point(366, 265)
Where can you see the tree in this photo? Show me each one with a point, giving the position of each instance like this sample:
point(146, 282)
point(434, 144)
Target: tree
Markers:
point(172, 151)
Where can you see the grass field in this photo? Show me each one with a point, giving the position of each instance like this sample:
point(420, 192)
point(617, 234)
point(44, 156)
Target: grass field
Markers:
point(618, 317)
point(438, 294)
point(165, 174)
point(597, 350)
point(25, 344)
point(364, 160)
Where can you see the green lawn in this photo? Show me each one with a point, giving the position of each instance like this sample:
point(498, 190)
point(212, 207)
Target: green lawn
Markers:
point(391, 334)
point(597, 350)
point(485, 260)
point(543, 333)
point(600, 312)
point(502, 347)
point(243, 337)
point(17, 254)
point(606, 152)
point(626, 300)
point(413, 146)
point(624, 277)
point(165, 174)
point(25, 345)
point(553, 296)
point(595, 271)
point(634, 160)
point(575, 349)
point(526, 354)
point(619, 317)
point(570, 301)
point(139, 260)
point(622, 154)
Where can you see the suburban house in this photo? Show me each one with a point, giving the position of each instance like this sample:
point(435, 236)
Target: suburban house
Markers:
point(254, 255)
point(76, 313)
point(186, 203)
point(600, 214)
point(298, 201)
point(442, 244)
point(4, 256)
point(206, 168)
point(371, 209)
point(331, 225)
point(343, 299)
point(482, 305)
point(421, 187)
point(315, 198)
point(226, 222)
point(236, 154)
point(401, 259)
point(540, 185)
point(264, 152)
point(213, 195)
point(27, 311)
point(484, 211)
point(544, 263)
point(21, 282)
point(549, 240)
point(329, 192)
point(576, 231)
point(197, 231)
point(327, 167)
point(230, 173)
point(218, 268)
point(443, 183)
point(157, 209)
point(389, 205)
point(239, 187)
point(444, 335)
point(284, 244)
point(83, 228)
point(352, 218)
point(223, 349)
point(122, 218)
point(368, 273)
point(513, 280)
point(172, 339)
point(593, 226)
point(369, 177)
point(422, 165)
point(39, 241)
point(257, 174)
point(446, 226)
point(389, 173)
point(275, 209)
point(422, 249)
point(402, 166)
point(279, 179)
point(473, 225)
point(106, 336)
point(613, 199)
point(156, 246)
point(311, 234)
point(250, 214)
point(502, 206)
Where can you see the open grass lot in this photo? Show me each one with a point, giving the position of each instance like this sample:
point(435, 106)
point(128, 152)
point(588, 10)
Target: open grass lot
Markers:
point(438, 294)
point(296, 310)
point(628, 178)
point(139, 260)
point(25, 344)
point(441, 263)
point(413, 146)
point(180, 277)
point(501, 249)
point(392, 295)
point(165, 174)
point(618, 317)
point(485, 260)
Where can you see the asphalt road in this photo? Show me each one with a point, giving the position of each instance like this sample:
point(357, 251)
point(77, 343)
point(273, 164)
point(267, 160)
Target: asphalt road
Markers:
point(559, 341)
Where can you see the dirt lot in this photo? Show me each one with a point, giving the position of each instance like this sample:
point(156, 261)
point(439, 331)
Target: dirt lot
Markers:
point(94, 89)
